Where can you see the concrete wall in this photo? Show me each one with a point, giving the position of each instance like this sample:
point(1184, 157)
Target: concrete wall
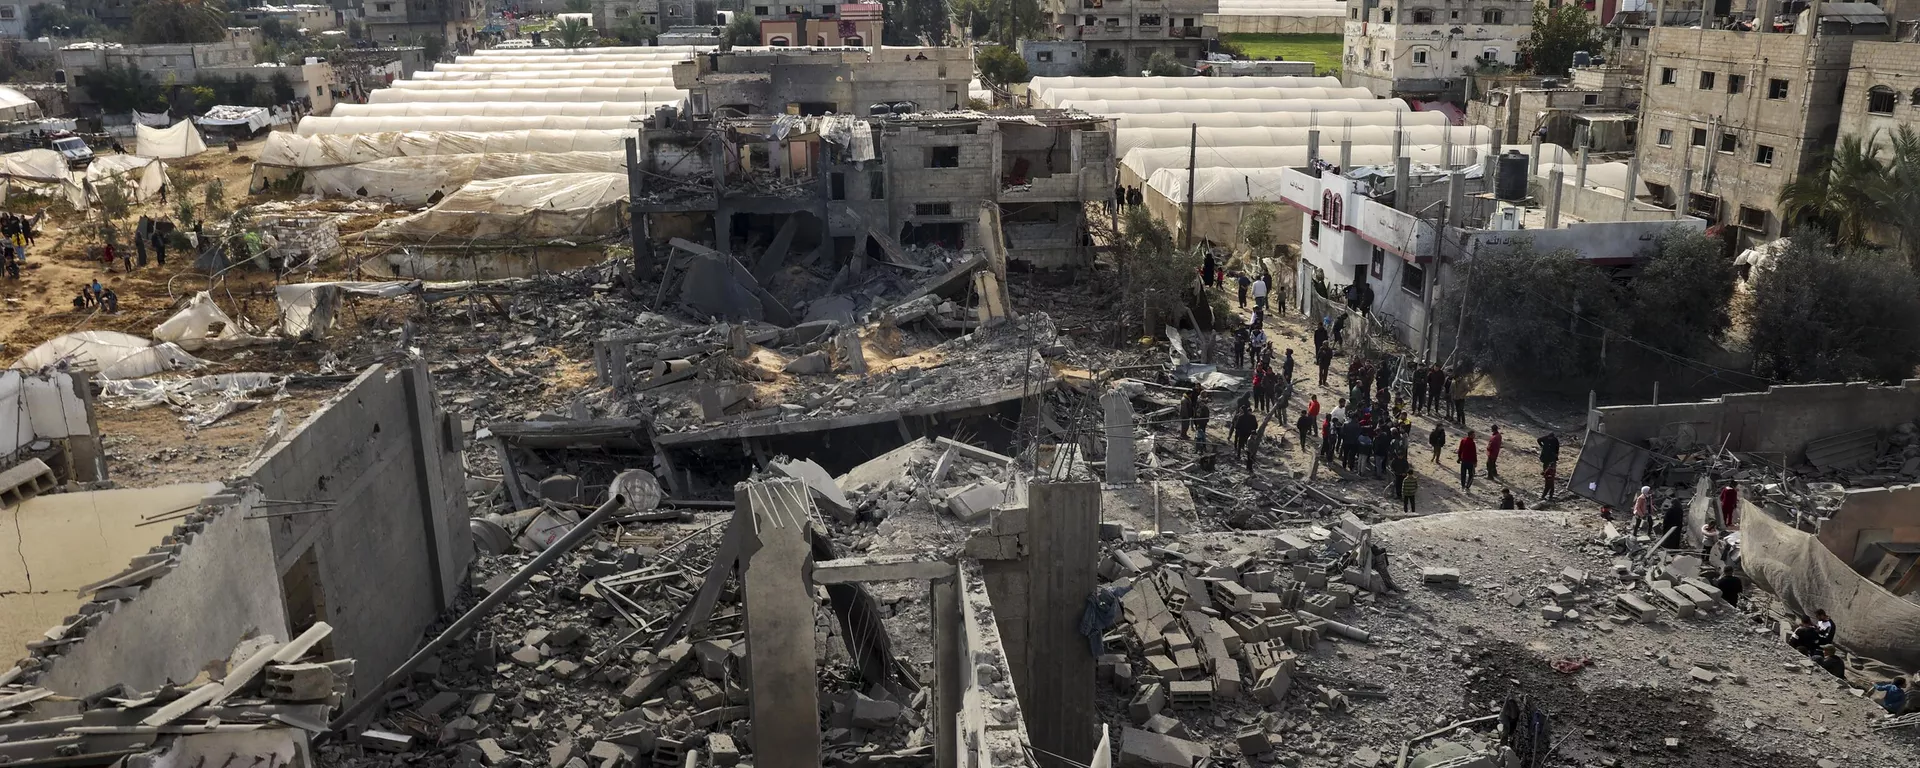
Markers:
point(1277, 25)
point(1053, 58)
point(1779, 421)
point(393, 549)
point(1873, 515)
point(223, 589)
point(57, 408)
point(1394, 57)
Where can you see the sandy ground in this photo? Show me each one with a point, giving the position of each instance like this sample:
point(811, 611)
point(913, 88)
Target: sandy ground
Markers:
point(40, 305)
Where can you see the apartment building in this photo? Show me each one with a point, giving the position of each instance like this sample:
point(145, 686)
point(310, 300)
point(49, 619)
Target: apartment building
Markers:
point(1883, 92)
point(613, 14)
point(390, 21)
point(1135, 30)
point(1425, 49)
point(1730, 117)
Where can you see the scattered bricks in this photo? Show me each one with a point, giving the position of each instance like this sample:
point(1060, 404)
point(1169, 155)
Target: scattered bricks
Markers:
point(1516, 599)
point(1261, 657)
point(1702, 675)
point(1703, 587)
point(1303, 638)
point(1560, 593)
point(1009, 521)
point(1682, 607)
point(703, 692)
point(1445, 578)
point(490, 749)
point(1166, 726)
point(527, 656)
point(1278, 627)
point(1188, 661)
point(1319, 605)
point(1237, 598)
point(1701, 602)
point(1190, 694)
point(1249, 629)
point(1573, 577)
point(1146, 749)
point(1552, 612)
point(385, 741)
point(1272, 686)
point(611, 754)
point(438, 705)
point(724, 752)
point(1351, 526)
point(1147, 702)
point(1287, 544)
point(639, 737)
point(1131, 563)
point(1122, 677)
point(1230, 639)
point(1637, 607)
point(1253, 741)
point(1178, 641)
point(667, 751)
point(1312, 576)
point(1226, 679)
point(1103, 666)
point(1163, 667)
point(299, 682)
point(1112, 531)
point(484, 650)
point(712, 657)
point(1225, 572)
point(1259, 581)
point(972, 503)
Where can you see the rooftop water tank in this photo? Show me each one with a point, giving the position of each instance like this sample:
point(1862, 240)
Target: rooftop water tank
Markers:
point(1510, 180)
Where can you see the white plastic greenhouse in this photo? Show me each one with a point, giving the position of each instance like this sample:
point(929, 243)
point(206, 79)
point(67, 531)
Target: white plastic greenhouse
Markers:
point(663, 81)
point(422, 180)
point(1325, 120)
point(323, 151)
point(1142, 164)
point(498, 109)
point(1130, 139)
point(313, 126)
point(1059, 96)
point(1176, 106)
point(554, 73)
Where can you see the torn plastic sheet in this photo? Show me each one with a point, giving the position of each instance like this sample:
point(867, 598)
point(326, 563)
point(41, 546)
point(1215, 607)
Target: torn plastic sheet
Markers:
point(201, 400)
point(202, 325)
point(110, 354)
point(307, 309)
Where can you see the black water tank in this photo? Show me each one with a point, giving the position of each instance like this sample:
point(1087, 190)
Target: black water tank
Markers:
point(1510, 183)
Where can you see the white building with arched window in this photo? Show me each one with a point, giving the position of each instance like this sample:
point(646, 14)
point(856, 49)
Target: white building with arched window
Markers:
point(1424, 48)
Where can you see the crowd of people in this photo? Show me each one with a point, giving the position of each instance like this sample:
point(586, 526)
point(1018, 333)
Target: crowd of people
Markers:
point(97, 297)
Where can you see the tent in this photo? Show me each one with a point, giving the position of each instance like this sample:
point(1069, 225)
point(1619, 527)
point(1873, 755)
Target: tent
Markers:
point(138, 177)
point(15, 105)
point(325, 151)
point(181, 140)
point(422, 180)
point(110, 354)
point(41, 172)
point(519, 208)
point(247, 120)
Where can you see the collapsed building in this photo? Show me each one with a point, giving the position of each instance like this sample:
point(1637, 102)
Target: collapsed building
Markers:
point(1826, 475)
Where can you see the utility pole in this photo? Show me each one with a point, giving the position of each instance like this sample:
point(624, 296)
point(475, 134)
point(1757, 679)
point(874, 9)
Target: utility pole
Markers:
point(1193, 154)
point(637, 221)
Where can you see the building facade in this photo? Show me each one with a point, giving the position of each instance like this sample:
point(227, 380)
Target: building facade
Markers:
point(1729, 118)
point(312, 18)
point(1053, 58)
point(849, 24)
point(402, 21)
point(1603, 102)
point(1135, 30)
point(1426, 50)
point(820, 82)
point(1883, 92)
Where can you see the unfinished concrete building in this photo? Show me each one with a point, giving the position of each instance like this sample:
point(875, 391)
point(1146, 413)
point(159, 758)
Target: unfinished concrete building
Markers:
point(1731, 117)
point(820, 82)
point(1601, 102)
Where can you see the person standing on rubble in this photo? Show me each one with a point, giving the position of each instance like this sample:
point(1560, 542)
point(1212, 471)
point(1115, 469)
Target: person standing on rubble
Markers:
point(1438, 439)
point(1262, 386)
point(1241, 338)
point(1241, 281)
point(1206, 269)
point(1671, 523)
point(142, 232)
point(1643, 511)
point(1349, 443)
point(1549, 463)
point(1323, 357)
point(1190, 411)
point(1409, 488)
point(1729, 502)
point(1244, 425)
point(1469, 456)
point(1831, 662)
point(1730, 586)
point(1286, 367)
point(1493, 454)
point(1260, 295)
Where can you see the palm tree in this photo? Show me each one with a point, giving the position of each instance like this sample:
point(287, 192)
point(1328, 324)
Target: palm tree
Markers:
point(575, 33)
point(1899, 198)
point(1842, 192)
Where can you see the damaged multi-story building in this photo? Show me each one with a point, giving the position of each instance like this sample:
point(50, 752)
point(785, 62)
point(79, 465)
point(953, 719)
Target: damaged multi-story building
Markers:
point(836, 155)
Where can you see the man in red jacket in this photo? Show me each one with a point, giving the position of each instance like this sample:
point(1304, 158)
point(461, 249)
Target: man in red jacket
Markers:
point(1729, 501)
point(1493, 453)
point(1469, 458)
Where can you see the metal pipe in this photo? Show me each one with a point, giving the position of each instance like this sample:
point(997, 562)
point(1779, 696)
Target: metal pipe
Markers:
point(472, 617)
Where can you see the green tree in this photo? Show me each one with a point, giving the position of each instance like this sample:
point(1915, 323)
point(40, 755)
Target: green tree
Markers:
point(1840, 194)
point(1000, 65)
point(1163, 65)
point(179, 21)
point(1256, 230)
point(743, 30)
point(1104, 66)
point(58, 21)
point(574, 33)
point(432, 46)
point(914, 22)
point(1557, 33)
point(119, 89)
point(633, 31)
point(1001, 21)
point(1532, 315)
point(282, 87)
point(1827, 313)
point(356, 30)
point(1679, 300)
point(579, 6)
point(1899, 198)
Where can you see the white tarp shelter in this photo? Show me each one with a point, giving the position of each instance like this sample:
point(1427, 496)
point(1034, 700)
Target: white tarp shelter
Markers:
point(314, 126)
point(323, 151)
point(203, 325)
point(422, 180)
point(35, 407)
point(181, 140)
point(622, 109)
point(538, 208)
point(225, 116)
point(110, 354)
point(1326, 107)
point(41, 172)
point(15, 105)
point(139, 178)
point(549, 94)
point(1329, 123)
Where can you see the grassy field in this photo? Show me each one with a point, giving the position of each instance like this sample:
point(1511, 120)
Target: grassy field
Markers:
point(1322, 50)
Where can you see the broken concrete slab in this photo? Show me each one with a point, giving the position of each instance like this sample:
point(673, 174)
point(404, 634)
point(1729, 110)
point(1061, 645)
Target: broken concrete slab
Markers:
point(820, 482)
point(973, 502)
point(1146, 749)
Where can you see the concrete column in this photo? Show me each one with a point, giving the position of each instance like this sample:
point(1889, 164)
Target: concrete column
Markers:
point(779, 606)
point(1119, 410)
point(1554, 183)
point(1633, 183)
point(853, 350)
point(1313, 145)
point(1399, 142)
point(1063, 542)
point(947, 687)
point(1493, 144)
point(1346, 154)
point(1446, 146)
point(1456, 198)
point(1533, 162)
point(1402, 179)
point(1580, 172)
point(1488, 166)
point(1686, 191)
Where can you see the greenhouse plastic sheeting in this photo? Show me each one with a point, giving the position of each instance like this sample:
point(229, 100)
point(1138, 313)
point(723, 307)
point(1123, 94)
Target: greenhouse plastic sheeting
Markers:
point(1327, 107)
point(194, 328)
point(1142, 163)
point(315, 126)
point(294, 151)
point(619, 80)
point(520, 53)
point(35, 165)
point(1326, 121)
point(498, 109)
point(421, 180)
point(547, 71)
point(519, 208)
point(552, 94)
point(181, 140)
point(1060, 96)
point(110, 354)
point(1040, 85)
point(1606, 176)
point(1128, 139)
